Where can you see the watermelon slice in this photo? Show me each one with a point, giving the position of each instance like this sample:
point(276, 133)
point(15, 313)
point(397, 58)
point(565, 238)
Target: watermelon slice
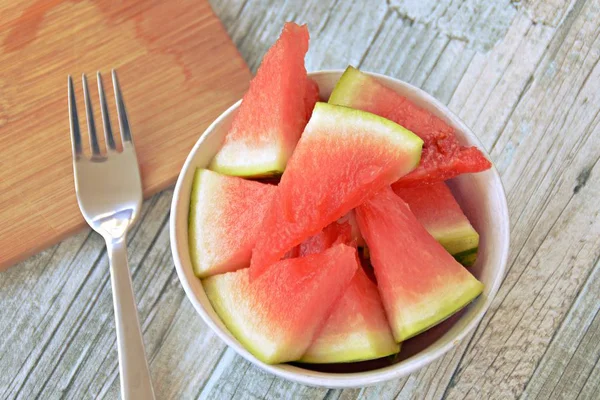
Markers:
point(277, 316)
point(273, 112)
point(437, 210)
point(343, 157)
point(420, 283)
point(224, 219)
point(443, 157)
point(356, 330)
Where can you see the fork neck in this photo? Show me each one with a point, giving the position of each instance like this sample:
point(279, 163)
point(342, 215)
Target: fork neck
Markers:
point(116, 244)
point(114, 227)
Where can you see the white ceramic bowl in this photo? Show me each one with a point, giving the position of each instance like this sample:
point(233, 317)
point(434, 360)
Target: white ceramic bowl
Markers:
point(480, 195)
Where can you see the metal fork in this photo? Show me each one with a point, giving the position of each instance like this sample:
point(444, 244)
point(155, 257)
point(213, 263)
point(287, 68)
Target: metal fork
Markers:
point(109, 193)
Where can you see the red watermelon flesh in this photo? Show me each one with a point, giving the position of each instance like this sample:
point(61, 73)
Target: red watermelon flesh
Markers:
point(224, 219)
point(343, 157)
point(311, 97)
point(355, 230)
point(277, 316)
point(443, 161)
point(443, 157)
point(420, 283)
point(273, 112)
point(356, 330)
point(332, 234)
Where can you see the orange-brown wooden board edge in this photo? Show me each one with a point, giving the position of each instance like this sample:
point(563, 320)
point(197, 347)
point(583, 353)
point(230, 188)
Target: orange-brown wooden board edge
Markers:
point(178, 70)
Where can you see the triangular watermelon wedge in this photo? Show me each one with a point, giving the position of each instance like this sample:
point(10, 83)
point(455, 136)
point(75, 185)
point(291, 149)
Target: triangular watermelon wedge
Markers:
point(420, 283)
point(443, 157)
point(356, 330)
point(273, 112)
point(343, 157)
point(225, 216)
point(277, 316)
point(438, 211)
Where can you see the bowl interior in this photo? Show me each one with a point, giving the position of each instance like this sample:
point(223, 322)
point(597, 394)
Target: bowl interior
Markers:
point(480, 195)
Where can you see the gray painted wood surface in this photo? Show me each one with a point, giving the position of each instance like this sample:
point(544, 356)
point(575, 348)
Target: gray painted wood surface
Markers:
point(524, 75)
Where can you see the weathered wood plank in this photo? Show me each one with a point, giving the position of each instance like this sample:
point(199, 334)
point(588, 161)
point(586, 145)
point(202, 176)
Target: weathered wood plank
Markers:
point(592, 386)
point(549, 12)
point(552, 183)
point(27, 334)
point(494, 83)
point(334, 29)
point(479, 23)
point(183, 361)
point(575, 349)
point(281, 389)
point(239, 380)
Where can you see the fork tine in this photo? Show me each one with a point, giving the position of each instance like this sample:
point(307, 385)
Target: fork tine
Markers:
point(110, 140)
point(74, 121)
point(123, 120)
point(89, 115)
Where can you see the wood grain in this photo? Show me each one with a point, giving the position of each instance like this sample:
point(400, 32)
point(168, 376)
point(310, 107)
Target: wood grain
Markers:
point(524, 75)
point(178, 70)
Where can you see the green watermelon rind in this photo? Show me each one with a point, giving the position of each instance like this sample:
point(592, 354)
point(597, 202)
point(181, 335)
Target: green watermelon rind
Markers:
point(356, 354)
point(468, 257)
point(195, 255)
point(469, 289)
point(232, 322)
point(344, 91)
point(457, 239)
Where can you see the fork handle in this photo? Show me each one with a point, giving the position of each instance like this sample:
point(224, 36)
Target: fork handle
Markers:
point(133, 367)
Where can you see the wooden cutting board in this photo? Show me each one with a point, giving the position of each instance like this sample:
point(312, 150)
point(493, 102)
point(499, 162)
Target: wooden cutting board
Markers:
point(178, 70)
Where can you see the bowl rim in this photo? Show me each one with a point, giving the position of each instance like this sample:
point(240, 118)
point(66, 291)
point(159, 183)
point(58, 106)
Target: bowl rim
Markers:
point(353, 379)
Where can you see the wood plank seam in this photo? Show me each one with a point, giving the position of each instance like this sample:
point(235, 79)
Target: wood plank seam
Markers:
point(565, 323)
point(570, 358)
point(203, 387)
